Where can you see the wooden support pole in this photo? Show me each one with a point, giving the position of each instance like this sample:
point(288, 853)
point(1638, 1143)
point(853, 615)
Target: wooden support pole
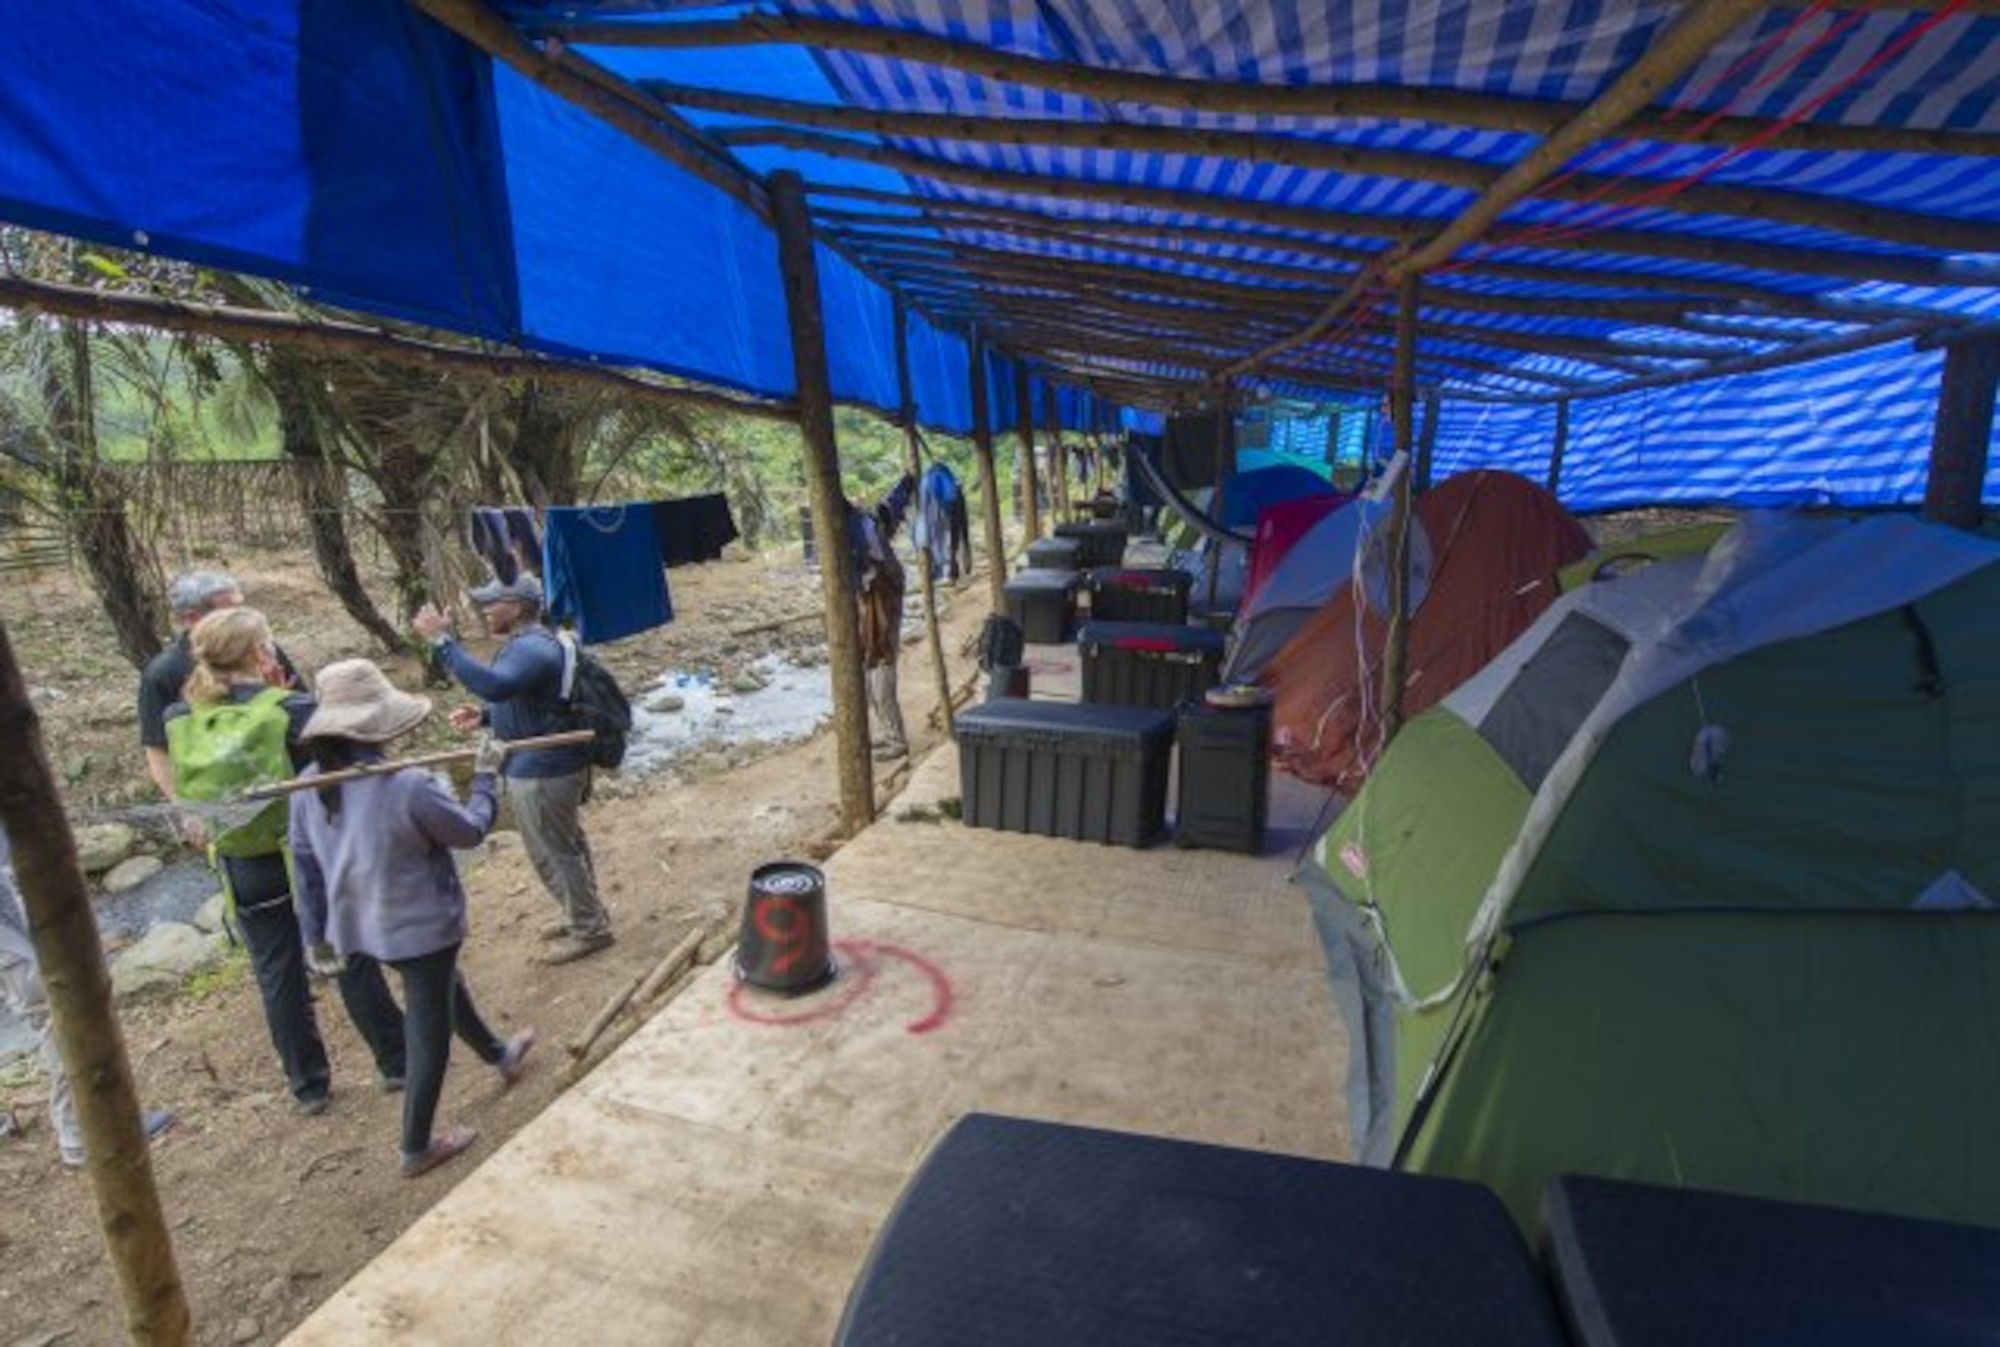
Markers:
point(1058, 458)
point(906, 404)
point(838, 583)
point(71, 957)
point(989, 476)
point(1225, 456)
point(1427, 447)
point(1964, 429)
point(1024, 429)
point(1559, 448)
point(1402, 397)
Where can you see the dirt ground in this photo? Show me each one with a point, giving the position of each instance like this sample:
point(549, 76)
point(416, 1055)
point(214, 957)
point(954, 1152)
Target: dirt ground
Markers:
point(270, 1211)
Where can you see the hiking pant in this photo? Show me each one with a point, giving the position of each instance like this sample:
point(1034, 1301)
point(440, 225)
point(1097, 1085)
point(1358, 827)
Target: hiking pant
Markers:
point(269, 922)
point(548, 810)
point(885, 710)
point(436, 1005)
point(21, 992)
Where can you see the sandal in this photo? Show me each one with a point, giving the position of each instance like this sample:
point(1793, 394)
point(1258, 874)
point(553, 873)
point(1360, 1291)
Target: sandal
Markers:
point(447, 1145)
point(514, 1059)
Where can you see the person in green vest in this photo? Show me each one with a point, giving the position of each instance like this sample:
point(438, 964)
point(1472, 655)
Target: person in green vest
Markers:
point(236, 727)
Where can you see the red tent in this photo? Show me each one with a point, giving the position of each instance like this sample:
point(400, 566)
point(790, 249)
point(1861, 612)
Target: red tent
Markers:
point(1278, 527)
point(1497, 541)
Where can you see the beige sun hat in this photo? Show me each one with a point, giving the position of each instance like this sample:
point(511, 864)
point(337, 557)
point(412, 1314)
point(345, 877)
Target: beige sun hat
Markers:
point(357, 701)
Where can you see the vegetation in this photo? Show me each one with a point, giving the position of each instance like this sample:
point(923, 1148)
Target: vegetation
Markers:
point(108, 435)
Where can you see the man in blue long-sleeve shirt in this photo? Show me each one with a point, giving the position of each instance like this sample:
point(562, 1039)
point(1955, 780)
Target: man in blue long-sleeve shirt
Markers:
point(523, 691)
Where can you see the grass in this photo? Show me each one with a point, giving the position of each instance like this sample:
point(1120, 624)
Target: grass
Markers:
point(231, 971)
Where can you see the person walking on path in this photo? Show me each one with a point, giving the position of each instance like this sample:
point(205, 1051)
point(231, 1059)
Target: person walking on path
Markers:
point(378, 886)
point(523, 689)
point(239, 727)
point(21, 993)
point(192, 596)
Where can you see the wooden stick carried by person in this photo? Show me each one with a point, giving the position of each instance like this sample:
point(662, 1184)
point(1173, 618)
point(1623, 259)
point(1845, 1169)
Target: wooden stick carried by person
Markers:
point(297, 784)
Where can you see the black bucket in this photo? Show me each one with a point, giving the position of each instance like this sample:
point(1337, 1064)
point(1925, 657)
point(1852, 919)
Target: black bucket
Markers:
point(1007, 680)
point(783, 946)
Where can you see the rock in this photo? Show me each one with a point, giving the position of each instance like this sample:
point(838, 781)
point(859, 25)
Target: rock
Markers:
point(662, 703)
point(76, 766)
point(164, 958)
point(131, 872)
point(247, 1330)
point(208, 917)
point(749, 681)
point(506, 839)
point(725, 708)
point(102, 845)
point(274, 1290)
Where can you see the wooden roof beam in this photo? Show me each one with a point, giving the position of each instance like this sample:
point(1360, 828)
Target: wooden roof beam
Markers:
point(1794, 208)
point(1443, 106)
point(1694, 30)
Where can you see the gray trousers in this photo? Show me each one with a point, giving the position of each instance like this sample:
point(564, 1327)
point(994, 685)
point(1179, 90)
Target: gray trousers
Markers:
point(21, 992)
point(886, 710)
point(548, 810)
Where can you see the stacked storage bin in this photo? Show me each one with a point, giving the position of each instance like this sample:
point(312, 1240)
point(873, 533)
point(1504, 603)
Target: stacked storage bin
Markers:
point(1103, 541)
point(1157, 594)
point(1055, 554)
point(1092, 773)
point(1043, 603)
point(1225, 784)
point(1147, 663)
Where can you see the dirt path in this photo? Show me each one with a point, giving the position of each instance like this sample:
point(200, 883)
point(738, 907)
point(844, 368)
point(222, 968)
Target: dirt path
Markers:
point(271, 1211)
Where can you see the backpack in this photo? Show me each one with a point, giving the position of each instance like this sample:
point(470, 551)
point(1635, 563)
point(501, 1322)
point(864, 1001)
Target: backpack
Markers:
point(596, 702)
point(1001, 643)
point(219, 750)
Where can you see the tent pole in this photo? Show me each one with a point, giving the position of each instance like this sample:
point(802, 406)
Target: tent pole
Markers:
point(907, 403)
point(1427, 445)
point(1964, 429)
point(989, 475)
point(838, 583)
point(1402, 394)
point(67, 948)
point(1560, 447)
point(1031, 479)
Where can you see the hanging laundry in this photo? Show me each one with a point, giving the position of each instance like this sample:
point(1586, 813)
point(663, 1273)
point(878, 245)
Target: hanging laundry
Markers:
point(601, 570)
point(507, 539)
point(943, 528)
point(694, 528)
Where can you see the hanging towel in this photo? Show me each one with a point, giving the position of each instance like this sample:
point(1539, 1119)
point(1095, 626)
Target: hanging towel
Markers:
point(507, 539)
point(601, 570)
point(694, 529)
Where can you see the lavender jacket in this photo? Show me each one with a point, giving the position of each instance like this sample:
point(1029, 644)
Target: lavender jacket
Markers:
point(379, 879)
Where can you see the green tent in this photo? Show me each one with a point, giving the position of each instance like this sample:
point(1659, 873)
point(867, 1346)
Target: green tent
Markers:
point(1695, 884)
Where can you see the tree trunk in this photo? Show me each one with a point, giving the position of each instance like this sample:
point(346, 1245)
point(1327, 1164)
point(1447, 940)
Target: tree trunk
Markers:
point(322, 495)
point(542, 451)
point(121, 566)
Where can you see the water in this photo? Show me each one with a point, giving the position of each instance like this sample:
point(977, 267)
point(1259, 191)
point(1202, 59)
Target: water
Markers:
point(795, 703)
point(174, 894)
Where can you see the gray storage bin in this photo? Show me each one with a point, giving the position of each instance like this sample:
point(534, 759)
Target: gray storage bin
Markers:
point(1103, 541)
point(1054, 554)
point(1140, 594)
point(1148, 663)
point(1043, 604)
point(1225, 785)
point(1092, 773)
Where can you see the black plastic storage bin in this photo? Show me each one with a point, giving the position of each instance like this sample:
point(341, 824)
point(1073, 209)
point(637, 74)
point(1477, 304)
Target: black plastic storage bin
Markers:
point(1043, 603)
point(1055, 554)
point(1092, 773)
point(1225, 794)
point(1148, 663)
point(1154, 594)
point(1103, 541)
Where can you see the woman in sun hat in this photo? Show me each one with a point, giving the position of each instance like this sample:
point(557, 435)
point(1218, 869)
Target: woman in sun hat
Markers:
point(377, 882)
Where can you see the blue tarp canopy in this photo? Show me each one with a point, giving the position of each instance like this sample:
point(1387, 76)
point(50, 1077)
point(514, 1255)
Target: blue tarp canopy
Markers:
point(1130, 196)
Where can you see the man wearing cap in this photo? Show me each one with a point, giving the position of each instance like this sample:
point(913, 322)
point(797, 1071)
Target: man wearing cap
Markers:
point(523, 692)
point(192, 596)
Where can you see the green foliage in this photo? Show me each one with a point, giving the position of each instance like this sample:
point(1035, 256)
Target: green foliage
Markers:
point(232, 970)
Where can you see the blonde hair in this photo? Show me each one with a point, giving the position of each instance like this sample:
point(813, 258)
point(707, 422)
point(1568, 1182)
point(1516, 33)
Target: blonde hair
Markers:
point(227, 641)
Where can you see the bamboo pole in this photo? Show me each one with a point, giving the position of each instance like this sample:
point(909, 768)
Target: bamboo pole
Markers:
point(73, 972)
point(1795, 208)
point(1058, 457)
point(1953, 492)
point(989, 476)
point(913, 443)
point(1225, 442)
point(423, 761)
point(346, 338)
point(1317, 100)
point(1402, 391)
point(1024, 430)
point(838, 585)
